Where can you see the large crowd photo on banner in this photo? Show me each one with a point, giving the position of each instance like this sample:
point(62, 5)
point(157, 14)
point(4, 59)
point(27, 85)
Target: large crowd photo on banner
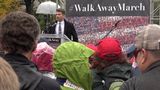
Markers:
point(96, 19)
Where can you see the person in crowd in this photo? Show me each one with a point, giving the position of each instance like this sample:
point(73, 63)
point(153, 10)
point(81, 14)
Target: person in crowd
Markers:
point(112, 67)
point(130, 55)
point(147, 55)
point(42, 57)
point(72, 66)
point(8, 78)
point(62, 26)
point(19, 33)
point(92, 61)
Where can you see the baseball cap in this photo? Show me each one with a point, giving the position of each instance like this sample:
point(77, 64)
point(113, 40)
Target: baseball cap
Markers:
point(148, 38)
point(109, 49)
point(92, 46)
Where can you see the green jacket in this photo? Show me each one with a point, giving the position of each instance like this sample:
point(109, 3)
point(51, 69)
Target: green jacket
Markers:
point(71, 62)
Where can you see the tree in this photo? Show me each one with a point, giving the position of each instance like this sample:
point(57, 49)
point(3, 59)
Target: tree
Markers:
point(29, 6)
point(7, 6)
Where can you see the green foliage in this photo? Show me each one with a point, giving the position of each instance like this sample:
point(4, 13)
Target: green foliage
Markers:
point(41, 20)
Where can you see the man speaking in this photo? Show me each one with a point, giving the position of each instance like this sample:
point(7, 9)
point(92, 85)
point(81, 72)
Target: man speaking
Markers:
point(61, 26)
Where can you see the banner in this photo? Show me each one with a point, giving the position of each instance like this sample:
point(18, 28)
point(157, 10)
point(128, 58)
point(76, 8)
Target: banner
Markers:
point(107, 7)
point(93, 23)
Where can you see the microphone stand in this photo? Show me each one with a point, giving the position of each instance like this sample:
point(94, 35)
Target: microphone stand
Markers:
point(113, 27)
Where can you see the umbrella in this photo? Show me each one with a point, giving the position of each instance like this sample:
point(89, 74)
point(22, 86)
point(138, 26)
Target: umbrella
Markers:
point(47, 7)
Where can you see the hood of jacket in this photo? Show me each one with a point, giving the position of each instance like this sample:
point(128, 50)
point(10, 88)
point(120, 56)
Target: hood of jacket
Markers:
point(71, 62)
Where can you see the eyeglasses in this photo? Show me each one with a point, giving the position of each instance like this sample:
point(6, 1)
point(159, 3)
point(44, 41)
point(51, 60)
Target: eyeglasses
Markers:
point(136, 52)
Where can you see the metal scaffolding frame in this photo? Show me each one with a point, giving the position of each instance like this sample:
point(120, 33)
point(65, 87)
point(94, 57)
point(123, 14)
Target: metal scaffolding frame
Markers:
point(155, 11)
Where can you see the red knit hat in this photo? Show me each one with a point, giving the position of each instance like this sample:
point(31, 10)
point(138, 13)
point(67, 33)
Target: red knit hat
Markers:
point(109, 49)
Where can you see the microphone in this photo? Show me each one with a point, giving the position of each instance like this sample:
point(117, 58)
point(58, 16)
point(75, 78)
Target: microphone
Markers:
point(54, 24)
point(117, 23)
point(47, 30)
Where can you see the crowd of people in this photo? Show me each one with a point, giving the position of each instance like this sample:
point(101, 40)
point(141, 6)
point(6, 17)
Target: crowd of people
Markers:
point(28, 64)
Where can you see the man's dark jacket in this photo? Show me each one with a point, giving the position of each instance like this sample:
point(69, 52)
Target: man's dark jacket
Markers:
point(69, 30)
point(116, 72)
point(27, 74)
point(149, 80)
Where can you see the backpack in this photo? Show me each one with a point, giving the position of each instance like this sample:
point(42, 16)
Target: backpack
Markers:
point(116, 84)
